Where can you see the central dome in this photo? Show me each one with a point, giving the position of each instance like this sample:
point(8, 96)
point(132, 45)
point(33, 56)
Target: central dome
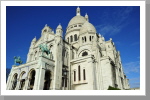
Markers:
point(77, 20)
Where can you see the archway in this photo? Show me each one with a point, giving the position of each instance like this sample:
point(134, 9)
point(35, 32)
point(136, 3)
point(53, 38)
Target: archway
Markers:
point(31, 79)
point(14, 81)
point(47, 80)
point(22, 80)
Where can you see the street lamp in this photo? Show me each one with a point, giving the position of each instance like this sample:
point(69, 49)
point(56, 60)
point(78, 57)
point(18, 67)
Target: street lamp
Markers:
point(65, 76)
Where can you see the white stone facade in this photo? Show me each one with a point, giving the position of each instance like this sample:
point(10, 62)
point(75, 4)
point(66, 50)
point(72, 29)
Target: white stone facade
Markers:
point(83, 61)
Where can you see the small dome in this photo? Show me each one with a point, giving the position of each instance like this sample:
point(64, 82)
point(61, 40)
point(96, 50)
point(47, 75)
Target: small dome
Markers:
point(77, 20)
point(59, 27)
point(87, 27)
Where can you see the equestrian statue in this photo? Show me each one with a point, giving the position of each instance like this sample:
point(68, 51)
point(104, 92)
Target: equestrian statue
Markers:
point(17, 60)
point(44, 49)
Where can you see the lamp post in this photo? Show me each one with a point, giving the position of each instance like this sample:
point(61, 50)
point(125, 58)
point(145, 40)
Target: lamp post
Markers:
point(65, 75)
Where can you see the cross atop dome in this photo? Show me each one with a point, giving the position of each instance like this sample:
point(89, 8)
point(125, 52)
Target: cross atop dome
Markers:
point(78, 11)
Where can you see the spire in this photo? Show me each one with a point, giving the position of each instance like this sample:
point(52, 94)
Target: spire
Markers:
point(78, 11)
point(34, 39)
point(86, 17)
point(59, 30)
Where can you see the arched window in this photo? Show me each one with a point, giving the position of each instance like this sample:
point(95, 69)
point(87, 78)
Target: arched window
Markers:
point(75, 37)
point(75, 25)
point(79, 73)
point(45, 30)
point(71, 38)
point(90, 38)
point(22, 80)
point(82, 40)
point(85, 38)
point(74, 75)
point(84, 77)
point(84, 53)
point(47, 80)
point(80, 25)
point(68, 39)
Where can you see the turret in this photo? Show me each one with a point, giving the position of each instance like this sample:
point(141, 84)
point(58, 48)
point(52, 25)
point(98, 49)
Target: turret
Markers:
point(78, 11)
point(46, 29)
point(59, 30)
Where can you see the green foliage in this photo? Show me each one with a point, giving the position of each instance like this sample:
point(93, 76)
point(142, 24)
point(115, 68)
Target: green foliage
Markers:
point(112, 88)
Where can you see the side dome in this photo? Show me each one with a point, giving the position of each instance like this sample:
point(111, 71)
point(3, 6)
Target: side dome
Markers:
point(87, 27)
point(77, 20)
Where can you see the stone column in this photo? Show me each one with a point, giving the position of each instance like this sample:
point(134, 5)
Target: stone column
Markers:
point(39, 77)
point(18, 85)
point(52, 82)
point(8, 86)
point(40, 84)
point(26, 83)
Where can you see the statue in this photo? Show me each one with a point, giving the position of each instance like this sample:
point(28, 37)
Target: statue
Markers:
point(44, 49)
point(17, 60)
point(51, 55)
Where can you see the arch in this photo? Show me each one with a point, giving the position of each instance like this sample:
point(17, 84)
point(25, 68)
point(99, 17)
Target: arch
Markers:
point(47, 80)
point(74, 72)
point(80, 25)
point(22, 74)
point(75, 37)
point(80, 52)
point(31, 76)
point(14, 81)
point(79, 77)
point(85, 38)
point(22, 80)
point(90, 38)
point(84, 53)
point(75, 25)
point(84, 74)
point(71, 38)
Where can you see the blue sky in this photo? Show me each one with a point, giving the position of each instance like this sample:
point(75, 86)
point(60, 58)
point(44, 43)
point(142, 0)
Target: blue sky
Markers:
point(121, 23)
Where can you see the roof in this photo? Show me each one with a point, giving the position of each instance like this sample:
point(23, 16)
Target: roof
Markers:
point(76, 20)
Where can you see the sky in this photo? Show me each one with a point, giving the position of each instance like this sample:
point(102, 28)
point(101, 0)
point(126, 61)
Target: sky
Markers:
point(121, 23)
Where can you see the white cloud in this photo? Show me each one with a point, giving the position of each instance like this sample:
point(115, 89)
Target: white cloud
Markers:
point(132, 67)
point(135, 43)
point(114, 23)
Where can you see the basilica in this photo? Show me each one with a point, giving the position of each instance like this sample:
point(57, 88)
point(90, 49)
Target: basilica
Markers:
point(82, 60)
